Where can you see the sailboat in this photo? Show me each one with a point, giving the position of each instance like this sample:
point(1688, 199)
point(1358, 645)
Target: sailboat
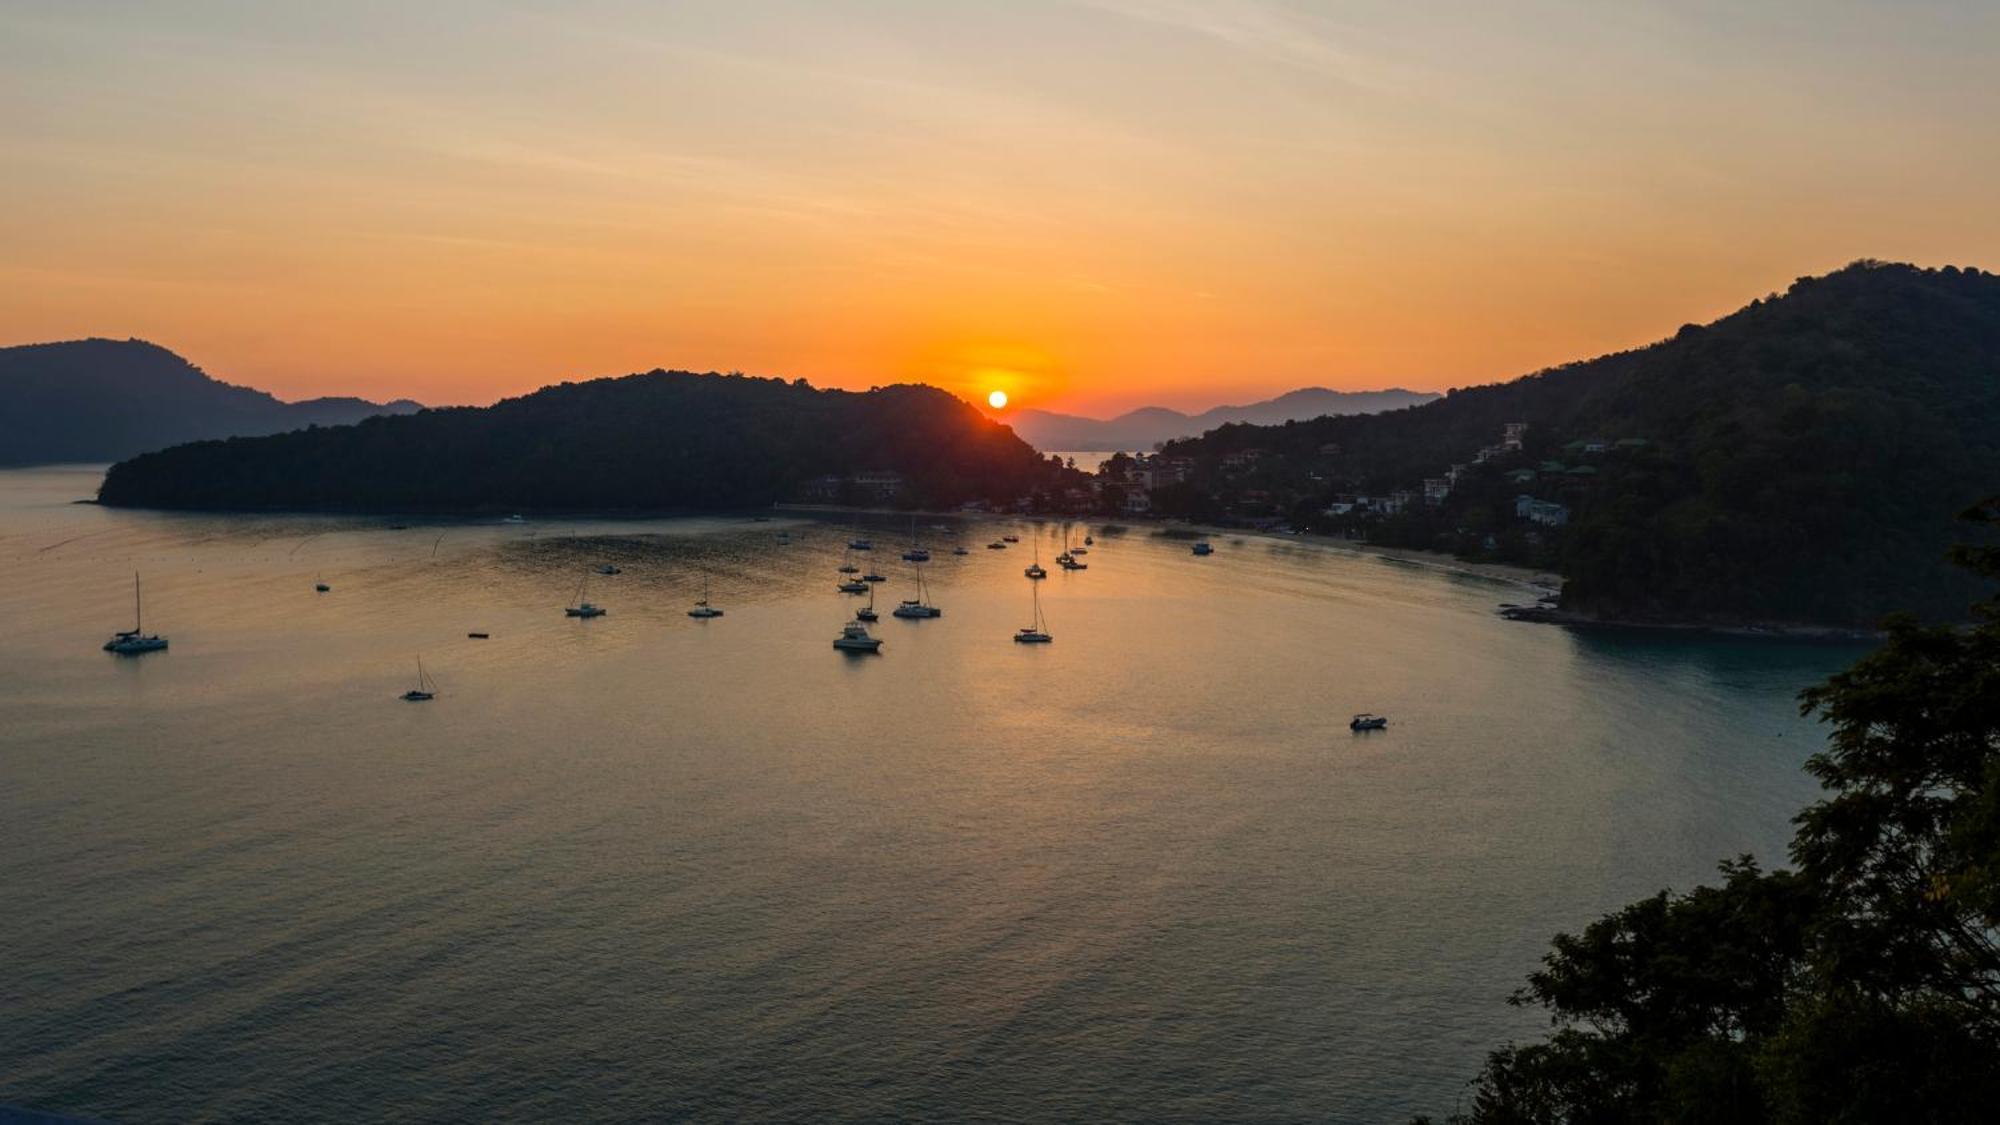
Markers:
point(1035, 570)
point(847, 563)
point(426, 688)
point(915, 554)
point(1068, 560)
point(919, 606)
point(135, 640)
point(583, 608)
point(701, 608)
point(1037, 633)
point(867, 612)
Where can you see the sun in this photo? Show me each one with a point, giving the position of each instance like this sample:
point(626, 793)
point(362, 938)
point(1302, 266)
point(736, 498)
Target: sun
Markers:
point(997, 399)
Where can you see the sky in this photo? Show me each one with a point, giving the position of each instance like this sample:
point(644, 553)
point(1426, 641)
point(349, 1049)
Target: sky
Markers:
point(1090, 204)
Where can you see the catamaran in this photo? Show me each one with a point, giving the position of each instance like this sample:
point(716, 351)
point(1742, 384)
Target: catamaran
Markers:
point(1038, 633)
point(426, 688)
point(583, 608)
point(702, 608)
point(919, 606)
point(135, 640)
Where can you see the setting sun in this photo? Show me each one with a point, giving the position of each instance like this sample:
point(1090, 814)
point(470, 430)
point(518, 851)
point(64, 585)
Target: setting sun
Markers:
point(997, 399)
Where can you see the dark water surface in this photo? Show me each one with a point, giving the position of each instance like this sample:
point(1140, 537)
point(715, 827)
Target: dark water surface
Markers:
point(649, 867)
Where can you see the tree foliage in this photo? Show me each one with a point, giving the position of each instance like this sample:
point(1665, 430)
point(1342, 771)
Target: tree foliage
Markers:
point(1861, 986)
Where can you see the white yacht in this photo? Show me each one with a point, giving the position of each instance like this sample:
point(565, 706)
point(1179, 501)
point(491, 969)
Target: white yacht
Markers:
point(426, 688)
point(854, 638)
point(1038, 633)
point(135, 640)
point(701, 608)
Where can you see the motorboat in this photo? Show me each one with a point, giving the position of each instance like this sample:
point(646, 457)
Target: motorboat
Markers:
point(1203, 548)
point(1011, 538)
point(854, 638)
point(134, 641)
point(871, 576)
point(608, 568)
point(960, 550)
point(1366, 721)
point(854, 586)
point(860, 545)
point(996, 545)
point(320, 585)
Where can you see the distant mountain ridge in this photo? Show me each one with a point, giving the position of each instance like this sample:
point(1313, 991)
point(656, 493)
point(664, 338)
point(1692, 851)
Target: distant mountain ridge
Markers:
point(1148, 426)
point(105, 400)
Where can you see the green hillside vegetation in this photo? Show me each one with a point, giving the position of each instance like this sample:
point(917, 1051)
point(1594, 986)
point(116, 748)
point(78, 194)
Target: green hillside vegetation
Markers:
point(658, 441)
point(1797, 461)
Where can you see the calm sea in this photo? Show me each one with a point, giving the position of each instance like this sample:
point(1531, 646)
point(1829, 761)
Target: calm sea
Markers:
point(648, 867)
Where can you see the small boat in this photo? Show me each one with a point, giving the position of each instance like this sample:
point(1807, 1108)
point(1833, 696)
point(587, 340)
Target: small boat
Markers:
point(1203, 548)
point(583, 607)
point(1011, 538)
point(135, 640)
point(516, 518)
point(919, 607)
point(854, 586)
point(915, 554)
point(854, 638)
point(1070, 562)
point(996, 545)
point(320, 584)
point(1038, 633)
point(478, 636)
point(1079, 550)
point(860, 545)
point(1366, 721)
point(867, 612)
point(701, 608)
point(871, 576)
point(1035, 570)
point(1090, 541)
point(608, 568)
point(784, 537)
point(960, 550)
point(426, 688)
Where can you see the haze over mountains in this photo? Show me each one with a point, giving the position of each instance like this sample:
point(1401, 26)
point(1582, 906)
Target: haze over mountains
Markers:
point(105, 400)
point(1148, 426)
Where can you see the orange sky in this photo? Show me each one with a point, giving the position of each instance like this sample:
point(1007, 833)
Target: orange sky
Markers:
point(1092, 205)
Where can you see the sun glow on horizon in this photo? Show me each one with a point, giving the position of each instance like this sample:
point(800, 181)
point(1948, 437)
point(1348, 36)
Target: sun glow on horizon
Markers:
point(997, 400)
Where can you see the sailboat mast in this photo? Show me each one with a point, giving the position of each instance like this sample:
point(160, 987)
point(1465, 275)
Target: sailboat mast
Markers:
point(138, 613)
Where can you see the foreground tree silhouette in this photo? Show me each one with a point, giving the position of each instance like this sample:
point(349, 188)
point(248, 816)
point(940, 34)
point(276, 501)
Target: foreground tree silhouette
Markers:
point(1862, 986)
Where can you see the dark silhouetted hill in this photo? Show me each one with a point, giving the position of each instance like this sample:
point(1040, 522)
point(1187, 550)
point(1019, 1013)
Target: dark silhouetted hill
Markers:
point(102, 400)
point(664, 440)
point(1802, 459)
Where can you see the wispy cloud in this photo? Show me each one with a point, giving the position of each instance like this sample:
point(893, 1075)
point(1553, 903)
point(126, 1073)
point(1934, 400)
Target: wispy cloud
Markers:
point(1271, 32)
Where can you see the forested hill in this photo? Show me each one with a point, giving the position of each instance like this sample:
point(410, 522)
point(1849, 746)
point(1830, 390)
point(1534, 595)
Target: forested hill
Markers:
point(1802, 459)
point(100, 400)
point(663, 440)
